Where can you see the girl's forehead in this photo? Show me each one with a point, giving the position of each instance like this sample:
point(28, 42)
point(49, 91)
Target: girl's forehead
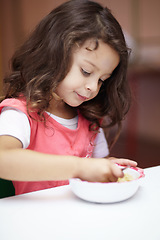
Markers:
point(95, 48)
point(99, 57)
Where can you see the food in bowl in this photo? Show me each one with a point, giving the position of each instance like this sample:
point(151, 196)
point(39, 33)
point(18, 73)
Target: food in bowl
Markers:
point(127, 177)
point(108, 192)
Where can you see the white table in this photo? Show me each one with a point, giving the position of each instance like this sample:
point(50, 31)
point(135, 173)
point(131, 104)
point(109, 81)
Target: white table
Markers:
point(57, 214)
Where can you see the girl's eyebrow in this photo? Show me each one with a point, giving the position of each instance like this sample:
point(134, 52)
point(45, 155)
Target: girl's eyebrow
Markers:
point(91, 63)
point(108, 74)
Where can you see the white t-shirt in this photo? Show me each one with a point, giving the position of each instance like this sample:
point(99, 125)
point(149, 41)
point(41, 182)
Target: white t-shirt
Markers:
point(15, 123)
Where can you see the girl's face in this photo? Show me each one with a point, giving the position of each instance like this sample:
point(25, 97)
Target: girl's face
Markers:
point(90, 68)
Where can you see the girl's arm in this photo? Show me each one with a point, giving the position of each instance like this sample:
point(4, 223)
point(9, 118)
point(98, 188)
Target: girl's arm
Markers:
point(27, 165)
point(21, 164)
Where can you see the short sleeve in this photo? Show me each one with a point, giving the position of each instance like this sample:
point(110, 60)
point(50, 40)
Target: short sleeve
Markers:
point(101, 146)
point(15, 123)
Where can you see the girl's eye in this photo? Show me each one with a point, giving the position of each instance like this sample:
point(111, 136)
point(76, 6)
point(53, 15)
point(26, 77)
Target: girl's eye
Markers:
point(85, 73)
point(101, 81)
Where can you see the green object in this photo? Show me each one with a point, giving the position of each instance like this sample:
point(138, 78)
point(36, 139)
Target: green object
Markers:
point(6, 188)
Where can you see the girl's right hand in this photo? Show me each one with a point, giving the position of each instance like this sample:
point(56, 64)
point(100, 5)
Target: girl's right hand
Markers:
point(98, 170)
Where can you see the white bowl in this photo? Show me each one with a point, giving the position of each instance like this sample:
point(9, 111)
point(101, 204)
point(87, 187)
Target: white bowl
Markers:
point(107, 192)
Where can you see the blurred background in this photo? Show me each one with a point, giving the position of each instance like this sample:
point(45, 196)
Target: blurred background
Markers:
point(140, 20)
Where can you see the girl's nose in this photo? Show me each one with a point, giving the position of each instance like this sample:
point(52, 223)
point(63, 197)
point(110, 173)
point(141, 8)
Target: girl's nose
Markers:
point(92, 85)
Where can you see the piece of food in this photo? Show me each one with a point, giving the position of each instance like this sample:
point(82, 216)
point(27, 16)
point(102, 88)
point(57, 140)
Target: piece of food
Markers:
point(127, 177)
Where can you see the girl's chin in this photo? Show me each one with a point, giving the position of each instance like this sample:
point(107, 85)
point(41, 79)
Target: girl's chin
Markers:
point(74, 104)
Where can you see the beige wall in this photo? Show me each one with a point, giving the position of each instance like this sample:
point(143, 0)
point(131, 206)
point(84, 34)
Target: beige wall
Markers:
point(140, 18)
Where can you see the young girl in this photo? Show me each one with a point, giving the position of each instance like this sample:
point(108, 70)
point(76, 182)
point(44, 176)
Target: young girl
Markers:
point(66, 79)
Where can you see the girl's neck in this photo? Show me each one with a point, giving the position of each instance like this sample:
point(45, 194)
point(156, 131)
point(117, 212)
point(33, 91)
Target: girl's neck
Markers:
point(61, 109)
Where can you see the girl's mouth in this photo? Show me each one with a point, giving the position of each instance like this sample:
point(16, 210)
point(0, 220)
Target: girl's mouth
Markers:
point(83, 98)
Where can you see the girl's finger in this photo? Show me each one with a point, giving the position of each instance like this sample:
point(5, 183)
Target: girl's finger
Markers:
point(112, 178)
point(123, 161)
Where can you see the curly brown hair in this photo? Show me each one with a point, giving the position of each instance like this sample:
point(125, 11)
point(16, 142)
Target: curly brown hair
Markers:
point(44, 60)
